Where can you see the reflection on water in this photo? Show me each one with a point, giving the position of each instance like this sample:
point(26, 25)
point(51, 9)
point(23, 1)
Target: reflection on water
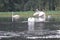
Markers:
point(19, 27)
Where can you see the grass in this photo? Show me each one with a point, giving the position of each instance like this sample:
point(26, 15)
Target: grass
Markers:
point(29, 13)
point(26, 14)
point(54, 14)
point(5, 14)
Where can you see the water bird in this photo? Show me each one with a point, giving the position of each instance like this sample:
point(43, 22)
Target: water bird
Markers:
point(15, 17)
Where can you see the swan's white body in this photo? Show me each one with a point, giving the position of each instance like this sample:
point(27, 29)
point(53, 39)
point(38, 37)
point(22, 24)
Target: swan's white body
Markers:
point(15, 17)
point(38, 17)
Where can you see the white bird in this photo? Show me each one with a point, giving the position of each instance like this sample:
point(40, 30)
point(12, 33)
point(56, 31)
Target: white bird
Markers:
point(40, 15)
point(49, 16)
point(15, 17)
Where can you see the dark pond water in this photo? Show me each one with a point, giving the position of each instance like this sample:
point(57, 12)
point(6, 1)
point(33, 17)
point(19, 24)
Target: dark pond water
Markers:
point(6, 24)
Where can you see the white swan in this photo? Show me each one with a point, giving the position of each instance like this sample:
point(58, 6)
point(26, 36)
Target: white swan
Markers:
point(15, 17)
point(40, 16)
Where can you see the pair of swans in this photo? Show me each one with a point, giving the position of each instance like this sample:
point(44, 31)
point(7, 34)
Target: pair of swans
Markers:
point(39, 16)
